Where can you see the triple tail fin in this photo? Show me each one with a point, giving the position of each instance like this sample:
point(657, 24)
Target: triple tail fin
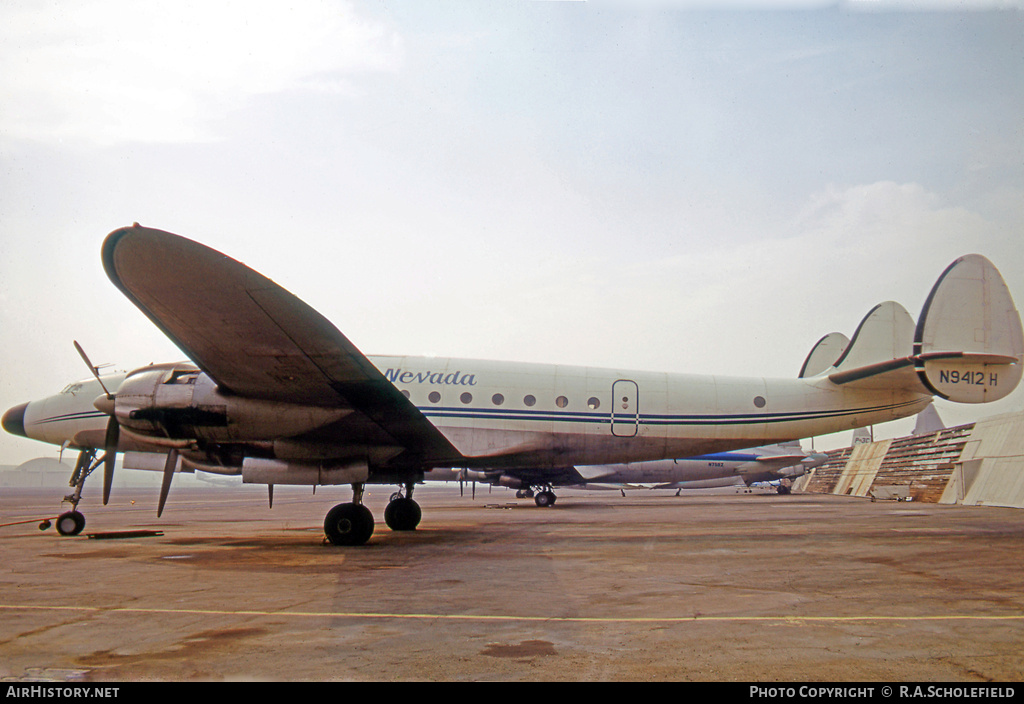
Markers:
point(967, 345)
point(824, 354)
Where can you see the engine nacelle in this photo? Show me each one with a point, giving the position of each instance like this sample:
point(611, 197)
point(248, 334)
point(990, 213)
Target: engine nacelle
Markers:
point(263, 471)
point(178, 401)
point(157, 401)
point(472, 475)
point(510, 482)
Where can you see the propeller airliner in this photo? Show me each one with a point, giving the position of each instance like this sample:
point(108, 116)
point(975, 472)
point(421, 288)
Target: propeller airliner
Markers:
point(275, 393)
point(781, 463)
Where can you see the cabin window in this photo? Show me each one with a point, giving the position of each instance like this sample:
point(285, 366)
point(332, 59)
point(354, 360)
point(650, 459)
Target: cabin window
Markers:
point(593, 403)
point(759, 401)
point(434, 397)
point(405, 392)
point(497, 399)
point(561, 402)
point(466, 397)
point(529, 400)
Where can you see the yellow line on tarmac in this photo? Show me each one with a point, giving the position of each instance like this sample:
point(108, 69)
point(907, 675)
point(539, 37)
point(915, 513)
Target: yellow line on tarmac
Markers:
point(796, 620)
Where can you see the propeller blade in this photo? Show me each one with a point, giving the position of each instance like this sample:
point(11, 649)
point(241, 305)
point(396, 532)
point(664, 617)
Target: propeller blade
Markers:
point(113, 429)
point(172, 461)
point(95, 370)
point(110, 446)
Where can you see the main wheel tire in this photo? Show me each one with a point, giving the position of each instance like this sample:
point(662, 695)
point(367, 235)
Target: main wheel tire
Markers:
point(348, 524)
point(403, 514)
point(544, 498)
point(70, 523)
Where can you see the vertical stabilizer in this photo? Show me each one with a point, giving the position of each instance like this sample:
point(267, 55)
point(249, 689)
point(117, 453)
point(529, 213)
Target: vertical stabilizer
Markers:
point(885, 334)
point(824, 354)
point(862, 436)
point(928, 421)
point(968, 342)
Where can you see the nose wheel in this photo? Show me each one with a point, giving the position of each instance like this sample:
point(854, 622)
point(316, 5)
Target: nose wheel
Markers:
point(70, 523)
point(73, 522)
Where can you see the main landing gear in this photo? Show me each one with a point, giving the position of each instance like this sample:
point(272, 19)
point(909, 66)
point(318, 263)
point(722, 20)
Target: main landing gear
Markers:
point(543, 496)
point(352, 523)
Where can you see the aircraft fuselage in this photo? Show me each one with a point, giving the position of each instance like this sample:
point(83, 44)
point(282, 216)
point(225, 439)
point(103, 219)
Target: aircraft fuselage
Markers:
point(495, 414)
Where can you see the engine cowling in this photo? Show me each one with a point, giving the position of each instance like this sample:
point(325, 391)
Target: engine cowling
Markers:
point(178, 402)
point(266, 471)
point(157, 402)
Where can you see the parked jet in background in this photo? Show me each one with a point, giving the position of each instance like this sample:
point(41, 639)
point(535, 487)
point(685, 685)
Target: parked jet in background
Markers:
point(276, 394)
point(776, 463)
point(785, 461)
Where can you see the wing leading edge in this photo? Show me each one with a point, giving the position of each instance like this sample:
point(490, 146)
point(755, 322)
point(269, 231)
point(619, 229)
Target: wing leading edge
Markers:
point(256, 339)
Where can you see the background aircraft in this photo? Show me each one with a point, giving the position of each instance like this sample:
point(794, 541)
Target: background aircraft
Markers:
point(783, 461)
point(276, 394)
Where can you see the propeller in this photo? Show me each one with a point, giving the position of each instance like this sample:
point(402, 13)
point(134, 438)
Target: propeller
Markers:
point(95, 370)
point(165, 486)
point(110, 447)
point(113, 434)
point(463, 478)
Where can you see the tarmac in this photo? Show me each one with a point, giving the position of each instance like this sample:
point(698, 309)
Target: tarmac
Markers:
point(742, 587)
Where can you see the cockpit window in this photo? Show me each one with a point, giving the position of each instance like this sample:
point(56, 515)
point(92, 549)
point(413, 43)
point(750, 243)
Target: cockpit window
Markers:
point(72, 388)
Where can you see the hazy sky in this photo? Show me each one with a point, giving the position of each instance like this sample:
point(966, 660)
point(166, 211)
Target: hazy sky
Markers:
point(642, 185)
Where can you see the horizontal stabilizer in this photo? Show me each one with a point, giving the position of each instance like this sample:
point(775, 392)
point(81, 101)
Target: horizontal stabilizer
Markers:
point(879, 355)
point(783, 460)
point(906, 370)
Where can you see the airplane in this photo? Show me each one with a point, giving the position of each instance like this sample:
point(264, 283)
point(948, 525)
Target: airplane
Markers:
point(277, 394)
point(782, 461)
point(781, 464)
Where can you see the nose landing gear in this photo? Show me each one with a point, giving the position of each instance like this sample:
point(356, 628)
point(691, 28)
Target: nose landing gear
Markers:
point(73, 522)
point(70, 523)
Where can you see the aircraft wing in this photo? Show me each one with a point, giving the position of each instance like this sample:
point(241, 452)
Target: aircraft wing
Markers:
point(257, 340)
